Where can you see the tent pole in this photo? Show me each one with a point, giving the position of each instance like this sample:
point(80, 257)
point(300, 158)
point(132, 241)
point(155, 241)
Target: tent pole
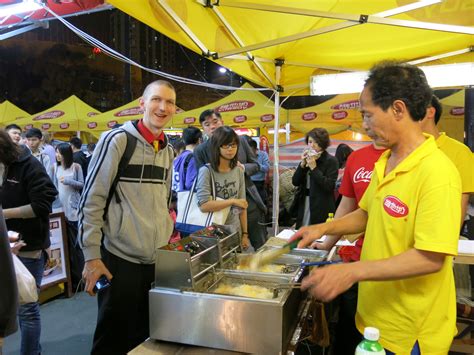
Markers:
point(276, 175)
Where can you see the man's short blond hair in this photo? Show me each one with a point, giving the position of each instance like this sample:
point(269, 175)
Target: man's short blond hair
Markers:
point(148, 88)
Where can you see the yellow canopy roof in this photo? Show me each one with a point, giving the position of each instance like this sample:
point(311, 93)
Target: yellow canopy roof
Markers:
point(455, 100)
point(311, 37)
point(242, 108)
point(9, 112)
point(452, 118)
point(62, 117)
point(336, 114)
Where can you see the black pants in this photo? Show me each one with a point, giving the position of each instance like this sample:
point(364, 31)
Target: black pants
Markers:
point(347, 335)
point(255, 225)
point(76, 257)
point(123, 319)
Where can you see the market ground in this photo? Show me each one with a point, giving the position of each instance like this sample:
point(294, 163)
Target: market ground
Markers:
point(67, 327)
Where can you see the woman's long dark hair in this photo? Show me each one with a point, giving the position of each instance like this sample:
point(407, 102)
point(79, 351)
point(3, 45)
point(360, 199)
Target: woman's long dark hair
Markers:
point(222, 136)
point(9, 151)
point(66, 151)
point(342, 153)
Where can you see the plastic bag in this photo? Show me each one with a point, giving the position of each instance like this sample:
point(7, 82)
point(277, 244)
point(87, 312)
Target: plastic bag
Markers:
point(27, 291)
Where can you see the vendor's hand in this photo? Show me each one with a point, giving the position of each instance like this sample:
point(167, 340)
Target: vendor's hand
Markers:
point(240, 202)
point(308, 234)
point(326, 283)
point(245, 242)
point(93, 270)
point(311, 161)
point(327, 244)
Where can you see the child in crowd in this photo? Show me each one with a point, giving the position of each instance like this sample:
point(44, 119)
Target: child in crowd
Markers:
point(229, 181)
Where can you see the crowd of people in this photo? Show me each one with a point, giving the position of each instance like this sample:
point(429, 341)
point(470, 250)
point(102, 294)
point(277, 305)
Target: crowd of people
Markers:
point(117, 201)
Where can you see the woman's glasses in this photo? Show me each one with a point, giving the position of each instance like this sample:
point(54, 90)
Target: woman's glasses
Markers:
point(229, 146)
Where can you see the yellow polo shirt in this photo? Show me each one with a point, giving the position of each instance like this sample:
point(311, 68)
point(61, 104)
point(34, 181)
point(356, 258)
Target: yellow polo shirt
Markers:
point(462, 157)
point(417, 205)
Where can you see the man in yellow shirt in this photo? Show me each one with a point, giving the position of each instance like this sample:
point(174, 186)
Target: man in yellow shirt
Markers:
point(460, 154)
point(410, 215)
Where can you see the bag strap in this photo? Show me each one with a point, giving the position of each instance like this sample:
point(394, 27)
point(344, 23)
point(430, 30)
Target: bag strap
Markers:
point(213, 182)
point(187, 206)
point(123, 164)
point(186, 163)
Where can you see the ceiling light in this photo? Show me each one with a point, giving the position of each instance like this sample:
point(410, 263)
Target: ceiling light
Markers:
point(446, 75)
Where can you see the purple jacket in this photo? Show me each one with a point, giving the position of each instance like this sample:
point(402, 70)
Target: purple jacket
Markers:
point(184, 172)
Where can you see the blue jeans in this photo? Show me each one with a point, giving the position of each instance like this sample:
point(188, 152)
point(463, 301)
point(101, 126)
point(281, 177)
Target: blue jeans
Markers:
point(414, 351)
point(29, 313)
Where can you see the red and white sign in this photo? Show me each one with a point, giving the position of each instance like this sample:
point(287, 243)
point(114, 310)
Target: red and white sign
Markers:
point(362, 175)
point(133, 111)
point(111, 124)
point(339, 115)
point(395, 207)
point(240, 119)
point(235, 106)
point(64, 125)
point(28, 126)
point(49, 115)
point(45, 126)
point(90, 114)
point(353, 104)
point(309, 116)
point(457, 111)
point(189, 120)
point(267, 118)
point(92, 125)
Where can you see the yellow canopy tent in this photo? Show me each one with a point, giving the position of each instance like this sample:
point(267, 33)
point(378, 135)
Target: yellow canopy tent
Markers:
point(247, 109)
point(336, 114)
point(310, 36)
point(281, 46)
point(452, 118)
point(61, 118)
point(105, 121)
point(10, 113)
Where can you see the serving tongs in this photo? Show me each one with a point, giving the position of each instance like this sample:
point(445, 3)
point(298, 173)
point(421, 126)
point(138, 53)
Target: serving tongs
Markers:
point(284, 286)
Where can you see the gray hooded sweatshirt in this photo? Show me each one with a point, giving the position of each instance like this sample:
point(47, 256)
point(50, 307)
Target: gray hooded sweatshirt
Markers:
point(139, 223)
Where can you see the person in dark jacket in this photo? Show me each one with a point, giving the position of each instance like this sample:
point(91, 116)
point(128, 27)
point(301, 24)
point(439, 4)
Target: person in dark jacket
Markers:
point(316, 178)
point(26, 195)
point(78, 155)
point(8, 285)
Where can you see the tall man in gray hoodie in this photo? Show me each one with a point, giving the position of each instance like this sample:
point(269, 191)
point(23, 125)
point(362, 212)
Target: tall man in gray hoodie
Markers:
point(136, 223)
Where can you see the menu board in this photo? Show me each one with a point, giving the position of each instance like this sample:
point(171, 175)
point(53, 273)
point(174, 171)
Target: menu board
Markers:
point(57, 268)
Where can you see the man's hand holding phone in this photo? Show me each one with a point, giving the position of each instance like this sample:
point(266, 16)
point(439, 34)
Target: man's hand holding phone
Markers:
point(93, 270)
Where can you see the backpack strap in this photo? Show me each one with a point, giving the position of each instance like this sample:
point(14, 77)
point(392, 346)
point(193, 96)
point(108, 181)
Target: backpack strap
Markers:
point(123, 164)
point(186, 162)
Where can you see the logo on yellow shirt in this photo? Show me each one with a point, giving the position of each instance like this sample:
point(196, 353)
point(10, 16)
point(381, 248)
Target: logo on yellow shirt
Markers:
point(395, 207)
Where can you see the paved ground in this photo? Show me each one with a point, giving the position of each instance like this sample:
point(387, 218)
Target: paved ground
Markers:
point(67, 327)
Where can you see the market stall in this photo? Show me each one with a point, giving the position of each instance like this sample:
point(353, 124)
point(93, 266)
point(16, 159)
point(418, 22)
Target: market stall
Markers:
point(242, 108)
point(63, 118)
point(10, 113)
point(281, 47)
